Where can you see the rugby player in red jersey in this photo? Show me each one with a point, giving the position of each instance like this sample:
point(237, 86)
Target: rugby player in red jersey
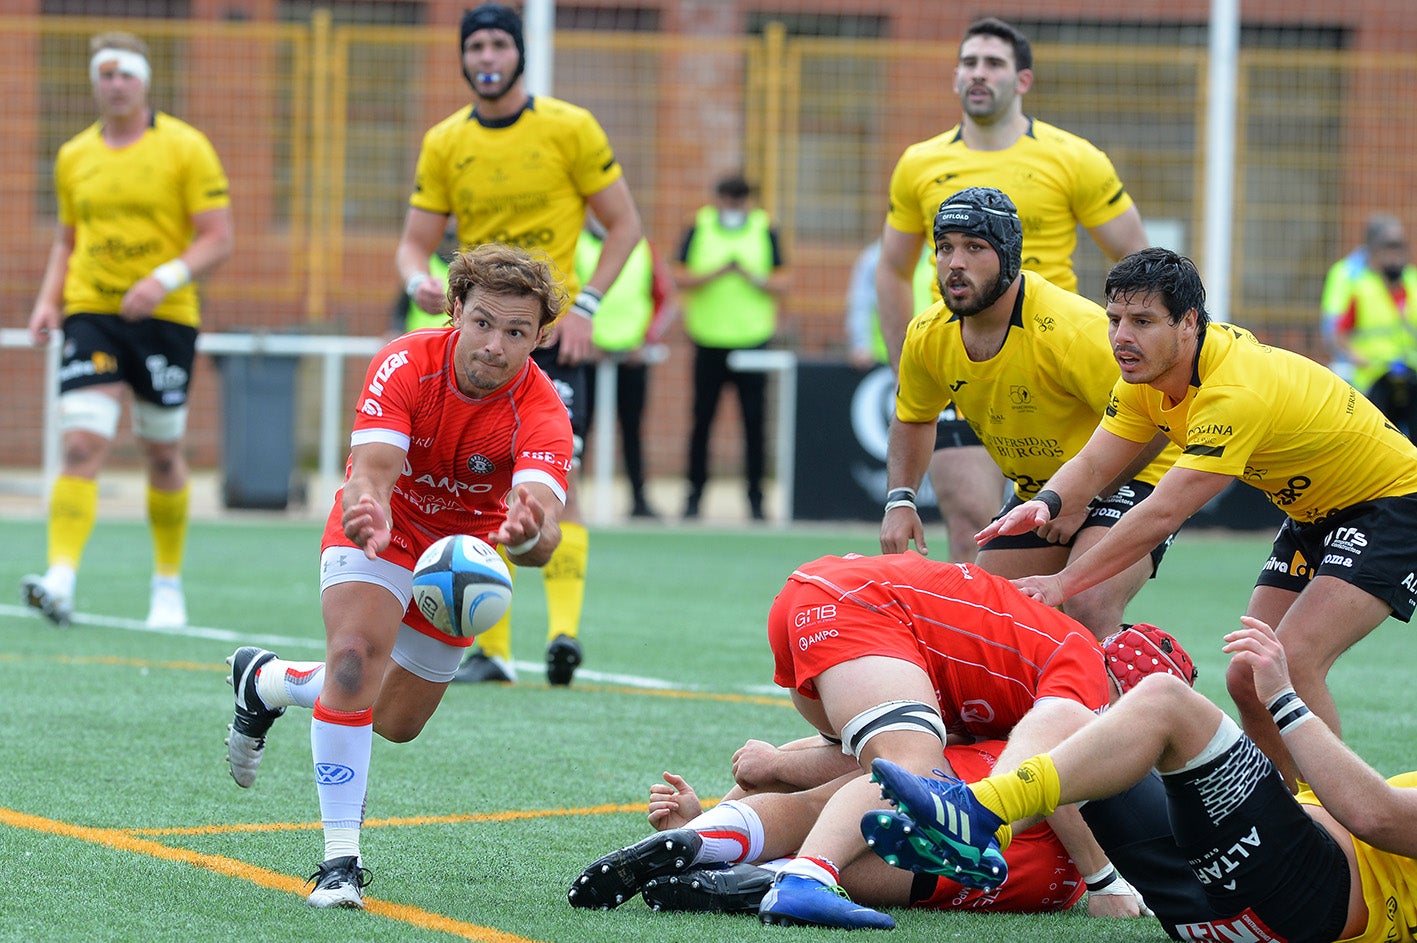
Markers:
point(456, 431)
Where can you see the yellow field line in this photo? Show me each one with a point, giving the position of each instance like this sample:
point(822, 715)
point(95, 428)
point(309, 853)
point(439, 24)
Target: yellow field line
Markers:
point(263, 877)
point(507, 816)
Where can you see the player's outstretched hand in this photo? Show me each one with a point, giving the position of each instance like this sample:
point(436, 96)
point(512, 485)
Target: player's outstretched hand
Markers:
point(142, 299)
point(366, 523)
point(523, 523)
point(1257, 647)
point(672, 803)
point(1046, 589)
point(1019, 520)
point(573, 333)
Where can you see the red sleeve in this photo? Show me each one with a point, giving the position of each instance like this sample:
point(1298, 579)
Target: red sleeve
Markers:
point(391, 387)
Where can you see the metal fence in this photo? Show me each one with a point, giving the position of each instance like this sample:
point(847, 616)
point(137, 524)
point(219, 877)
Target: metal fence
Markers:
point(318, 124)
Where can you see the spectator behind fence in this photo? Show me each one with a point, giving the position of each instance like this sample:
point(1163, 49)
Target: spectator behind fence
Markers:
point(1376, 328)
point(144, 209)
point(1057, 180)
point(733, 276)
point(639, 306)
point(523, 171)
point(1333, 305)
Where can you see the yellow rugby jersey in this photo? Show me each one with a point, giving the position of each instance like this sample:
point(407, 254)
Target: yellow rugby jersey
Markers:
point(1276, 420)
point(524, 183)
point(1056, 179)
point(1389, 883)
point(131, 209)
point(1036, 402)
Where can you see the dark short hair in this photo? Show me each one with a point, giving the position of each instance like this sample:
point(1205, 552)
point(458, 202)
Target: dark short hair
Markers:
point(733, 187)
point(501, 269)
point(993, 26)
point(1169, 276)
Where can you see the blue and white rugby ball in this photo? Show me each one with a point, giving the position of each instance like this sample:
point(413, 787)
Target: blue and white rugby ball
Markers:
point(461, 585)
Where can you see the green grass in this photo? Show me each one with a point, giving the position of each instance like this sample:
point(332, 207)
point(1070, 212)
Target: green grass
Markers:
point(118, 820)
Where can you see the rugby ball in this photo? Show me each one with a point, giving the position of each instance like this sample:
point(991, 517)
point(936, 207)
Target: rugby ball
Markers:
point(461, 585)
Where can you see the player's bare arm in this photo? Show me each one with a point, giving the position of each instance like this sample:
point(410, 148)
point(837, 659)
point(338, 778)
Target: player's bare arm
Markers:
point(422, 232)
point(1355, 794)
point(1121, 235)
point(366, 515)
point(531, 531)
point(615, 208)
point(759, 766)
point(895, 291)
point(908, 451)
point(1180, 493)
point(1102, 460)
point(48, 312)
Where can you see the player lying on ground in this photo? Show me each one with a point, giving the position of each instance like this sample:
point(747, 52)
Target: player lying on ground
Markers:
point(706, 860)
point(697, 864)
point(1335, 862)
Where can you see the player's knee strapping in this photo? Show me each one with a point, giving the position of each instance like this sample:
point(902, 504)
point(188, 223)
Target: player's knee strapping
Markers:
point(892, 715)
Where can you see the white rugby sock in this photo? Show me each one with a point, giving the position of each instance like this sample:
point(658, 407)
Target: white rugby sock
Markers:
point(732, 833)
point(282, 683)
point(341, 743)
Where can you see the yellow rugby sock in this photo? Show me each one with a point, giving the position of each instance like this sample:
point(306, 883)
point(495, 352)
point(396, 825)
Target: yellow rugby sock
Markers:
point(167, 516)
point(564, 575)
point(496, 642)
point(1032, 789)
point(73, 509)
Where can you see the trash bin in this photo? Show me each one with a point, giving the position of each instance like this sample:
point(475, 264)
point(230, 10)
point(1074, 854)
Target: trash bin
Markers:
point(258, 430)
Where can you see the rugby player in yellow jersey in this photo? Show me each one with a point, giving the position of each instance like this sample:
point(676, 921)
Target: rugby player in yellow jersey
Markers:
point(1335, 862)
point(515, 169)
point(144, 209)
point(1344, 475)
point(1056, 179)
point(1029, 366)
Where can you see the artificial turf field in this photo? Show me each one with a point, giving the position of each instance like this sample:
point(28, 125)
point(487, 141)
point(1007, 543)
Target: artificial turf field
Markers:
point(118, 820)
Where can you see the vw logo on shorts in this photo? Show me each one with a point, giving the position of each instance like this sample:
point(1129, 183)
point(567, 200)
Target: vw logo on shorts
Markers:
point(332, 774)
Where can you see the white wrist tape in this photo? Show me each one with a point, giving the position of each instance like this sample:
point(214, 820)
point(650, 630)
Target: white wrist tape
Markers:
point(587, 303)
point(525, 545)
point(1101, 879)
point(172, 275)
point(414, 280)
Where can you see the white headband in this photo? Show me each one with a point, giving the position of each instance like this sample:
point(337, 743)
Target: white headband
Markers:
point(129, 63)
